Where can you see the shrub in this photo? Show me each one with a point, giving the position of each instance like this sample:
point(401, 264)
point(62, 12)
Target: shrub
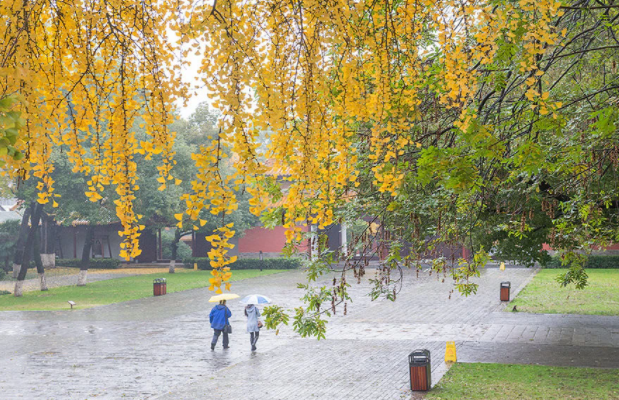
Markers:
point(4, 292)
point(182, 251)
point(95, 263)
point(9, 232)
point(2, 274)
point(593, 262)
point(247, 263)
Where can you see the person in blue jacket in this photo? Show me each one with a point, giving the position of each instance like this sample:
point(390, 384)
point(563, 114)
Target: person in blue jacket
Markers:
point(219, 319)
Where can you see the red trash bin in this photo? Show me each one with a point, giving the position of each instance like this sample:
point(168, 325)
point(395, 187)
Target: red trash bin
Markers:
point(157, 287)
point(505, 289)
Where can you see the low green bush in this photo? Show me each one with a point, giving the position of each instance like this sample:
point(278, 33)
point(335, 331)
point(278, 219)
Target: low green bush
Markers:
point(95, 263)
point(247, 263)
point(2, 292)
point(593, 262)
point(2, 273)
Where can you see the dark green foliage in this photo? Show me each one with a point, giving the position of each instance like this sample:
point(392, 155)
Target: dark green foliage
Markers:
point(95, 263)
point(4, 292)
point(2, 274)
point(9, 231)
point(247, 263)
point(592, 262)
point(183, 250)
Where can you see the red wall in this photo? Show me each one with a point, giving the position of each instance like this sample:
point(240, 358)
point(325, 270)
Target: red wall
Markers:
point(263, 239)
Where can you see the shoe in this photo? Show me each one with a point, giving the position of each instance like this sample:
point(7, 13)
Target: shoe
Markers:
point(226, 347)
point(212, 347)
point(253, 348)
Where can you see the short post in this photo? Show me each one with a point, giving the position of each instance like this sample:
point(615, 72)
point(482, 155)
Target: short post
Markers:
point(505, 289)
point(164, 286)
point(260, 255)
point(420, 370)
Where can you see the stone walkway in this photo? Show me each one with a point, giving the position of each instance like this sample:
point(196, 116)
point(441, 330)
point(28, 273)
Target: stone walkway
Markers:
point(94, 275)
point(157, 348)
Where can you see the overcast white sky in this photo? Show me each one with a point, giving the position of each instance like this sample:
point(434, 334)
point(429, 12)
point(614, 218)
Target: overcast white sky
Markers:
point(198, 96)
point(189, 75)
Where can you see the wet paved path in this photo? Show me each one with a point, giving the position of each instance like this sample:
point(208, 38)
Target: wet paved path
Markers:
point(158, 348)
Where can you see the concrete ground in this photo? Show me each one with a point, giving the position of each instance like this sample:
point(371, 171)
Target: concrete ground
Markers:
point(158, 348)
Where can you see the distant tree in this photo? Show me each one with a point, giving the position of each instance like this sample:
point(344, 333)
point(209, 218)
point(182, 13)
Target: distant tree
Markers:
point(9, 232)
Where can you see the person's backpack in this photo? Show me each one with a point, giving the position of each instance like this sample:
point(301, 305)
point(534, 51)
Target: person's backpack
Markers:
point(227, 327)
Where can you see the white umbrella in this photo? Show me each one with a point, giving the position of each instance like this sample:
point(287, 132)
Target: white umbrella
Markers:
point(256, 299)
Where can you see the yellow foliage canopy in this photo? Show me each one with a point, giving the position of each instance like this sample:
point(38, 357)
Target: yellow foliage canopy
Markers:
point(83, 71)
point(312, 74)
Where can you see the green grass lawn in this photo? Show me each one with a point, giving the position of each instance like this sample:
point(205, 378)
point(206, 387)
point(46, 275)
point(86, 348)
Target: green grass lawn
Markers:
point(544, 295)
point(115, 290)
point(509, 382)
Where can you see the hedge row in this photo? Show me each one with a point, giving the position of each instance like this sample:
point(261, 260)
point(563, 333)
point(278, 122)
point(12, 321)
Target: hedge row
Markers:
point(247, 263)
point(95, 263)
point(592, 262)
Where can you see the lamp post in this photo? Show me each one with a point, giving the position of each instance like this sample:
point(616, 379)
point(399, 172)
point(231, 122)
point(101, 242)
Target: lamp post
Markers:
point(260, 256)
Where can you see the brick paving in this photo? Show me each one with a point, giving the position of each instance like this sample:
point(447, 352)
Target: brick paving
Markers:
point(157, 348)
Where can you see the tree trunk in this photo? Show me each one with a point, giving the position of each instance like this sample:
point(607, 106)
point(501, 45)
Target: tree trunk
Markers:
point(36, 254)
point(172, 266)
point(19, 250)
point(90, 234)
point(43, 282)
point(28, 247)
point(48, 260)
point(177, 238)
point(48, 244)
point(18, 291)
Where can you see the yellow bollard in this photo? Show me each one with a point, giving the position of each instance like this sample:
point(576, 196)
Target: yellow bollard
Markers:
point(450, 352)
point(195, 266)
point(502, 266)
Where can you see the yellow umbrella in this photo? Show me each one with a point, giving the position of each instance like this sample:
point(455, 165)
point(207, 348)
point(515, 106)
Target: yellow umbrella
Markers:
point(224, 296)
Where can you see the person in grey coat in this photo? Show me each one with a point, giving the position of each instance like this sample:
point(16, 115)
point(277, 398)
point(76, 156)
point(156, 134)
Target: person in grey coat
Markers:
point(252, 313)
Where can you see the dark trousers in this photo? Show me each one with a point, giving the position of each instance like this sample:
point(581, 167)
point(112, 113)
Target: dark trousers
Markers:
point(253, 338)
point(216, 337)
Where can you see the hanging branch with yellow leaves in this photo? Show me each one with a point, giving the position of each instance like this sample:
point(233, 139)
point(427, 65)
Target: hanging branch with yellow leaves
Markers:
point(331, 81)
point(83, 71)
point(212, 192)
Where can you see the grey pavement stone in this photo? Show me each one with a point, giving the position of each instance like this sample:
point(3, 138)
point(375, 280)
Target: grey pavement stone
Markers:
point(157, 348)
